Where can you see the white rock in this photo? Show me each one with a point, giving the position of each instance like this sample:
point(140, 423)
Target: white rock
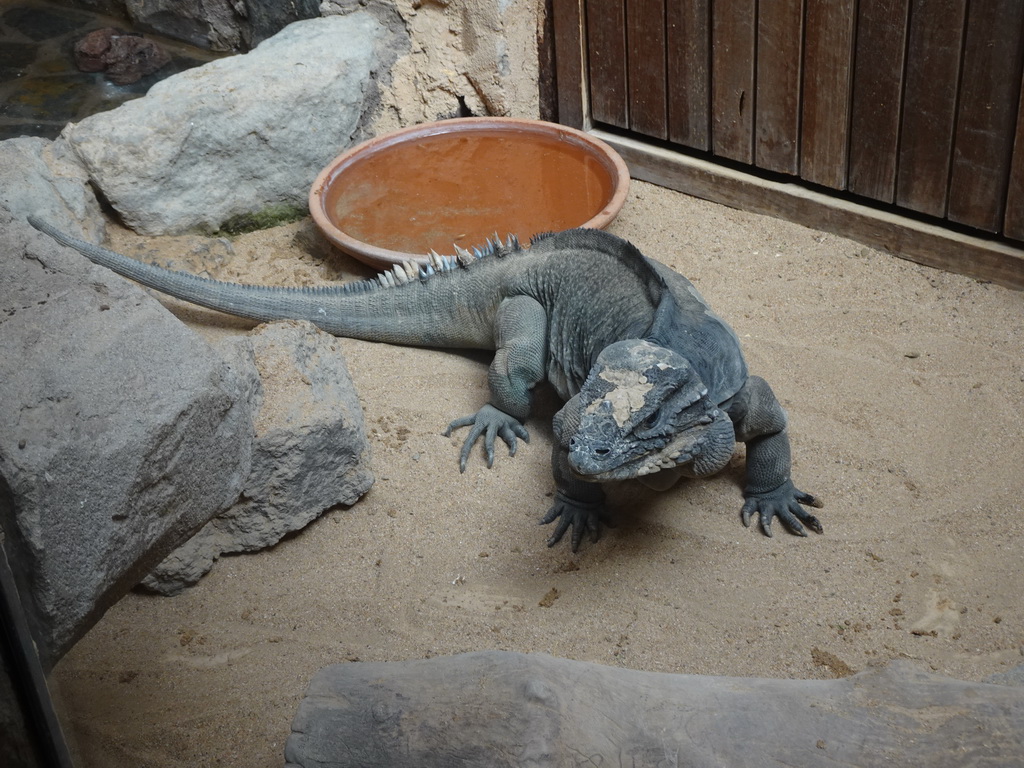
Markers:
point(237, 135)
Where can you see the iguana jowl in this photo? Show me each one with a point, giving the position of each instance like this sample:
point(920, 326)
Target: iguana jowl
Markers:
point(654, 381)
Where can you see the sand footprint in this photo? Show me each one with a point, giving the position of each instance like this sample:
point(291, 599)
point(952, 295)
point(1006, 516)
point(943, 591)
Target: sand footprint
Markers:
point(940, 616)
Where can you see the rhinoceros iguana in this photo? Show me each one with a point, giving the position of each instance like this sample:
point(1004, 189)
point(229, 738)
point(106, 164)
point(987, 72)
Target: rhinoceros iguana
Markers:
point(655, 384)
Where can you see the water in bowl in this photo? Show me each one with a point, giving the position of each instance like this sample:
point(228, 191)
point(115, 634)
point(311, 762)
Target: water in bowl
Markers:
point(460, 188)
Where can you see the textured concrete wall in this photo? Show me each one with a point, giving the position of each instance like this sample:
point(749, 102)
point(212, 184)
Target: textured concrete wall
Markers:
point(464, 56)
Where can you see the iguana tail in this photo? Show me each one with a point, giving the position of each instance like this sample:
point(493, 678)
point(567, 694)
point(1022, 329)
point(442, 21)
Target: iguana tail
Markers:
point(412, 304)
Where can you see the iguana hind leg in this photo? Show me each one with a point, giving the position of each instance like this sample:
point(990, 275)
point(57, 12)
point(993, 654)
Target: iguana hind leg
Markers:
point(520, 361)
point(760, 422)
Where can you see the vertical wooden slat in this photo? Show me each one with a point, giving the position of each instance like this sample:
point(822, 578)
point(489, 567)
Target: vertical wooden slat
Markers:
point(990, 90)
point(645, 39)
point(827, 75)
point(934, 48)
point(1013, 221)
point(689, 75)
point(734, 41)
point(777, 120)
point(567, 35)
point(877, 93)
point(606, 43)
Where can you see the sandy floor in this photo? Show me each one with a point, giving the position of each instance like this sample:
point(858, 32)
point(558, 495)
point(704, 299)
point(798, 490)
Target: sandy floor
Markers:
point(905, 390)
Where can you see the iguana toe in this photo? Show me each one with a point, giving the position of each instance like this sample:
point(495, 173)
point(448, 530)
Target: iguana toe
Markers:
point(784, 503)
point(582, 517)
point(488, 422)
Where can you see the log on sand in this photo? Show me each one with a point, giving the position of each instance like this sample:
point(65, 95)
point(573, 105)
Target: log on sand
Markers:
point(495, 708)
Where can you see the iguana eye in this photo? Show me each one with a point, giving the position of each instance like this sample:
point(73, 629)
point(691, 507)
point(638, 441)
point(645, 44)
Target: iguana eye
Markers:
point(652, 420)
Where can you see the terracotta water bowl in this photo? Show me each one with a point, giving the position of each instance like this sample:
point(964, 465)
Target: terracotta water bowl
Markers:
point(458, 182)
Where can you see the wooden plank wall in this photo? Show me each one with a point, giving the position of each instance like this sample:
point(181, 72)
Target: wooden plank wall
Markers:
point(916, 103)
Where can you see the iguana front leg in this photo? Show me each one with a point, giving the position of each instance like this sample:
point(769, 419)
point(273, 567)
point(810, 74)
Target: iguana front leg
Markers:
point(520, 361)
point(578, 504)
point(760, 422)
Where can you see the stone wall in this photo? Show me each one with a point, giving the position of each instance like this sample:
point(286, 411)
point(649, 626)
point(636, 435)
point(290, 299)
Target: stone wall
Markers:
point(220, 25)
point(464, 57)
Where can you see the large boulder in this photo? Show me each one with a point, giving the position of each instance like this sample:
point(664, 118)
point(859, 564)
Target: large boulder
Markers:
point(310, 451)
point(494, 708)
point(236, 136)
point(121, 432)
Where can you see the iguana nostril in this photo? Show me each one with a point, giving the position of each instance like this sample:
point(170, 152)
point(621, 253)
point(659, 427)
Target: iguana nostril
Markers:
point(602, 451)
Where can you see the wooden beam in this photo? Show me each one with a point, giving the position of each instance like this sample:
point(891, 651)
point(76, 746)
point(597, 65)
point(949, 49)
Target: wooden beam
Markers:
point(733, 43)
point(1013, 223)
point(827, 75)
point(986, 120)
point(689, 72)
point(878, 64)
point(568, 40)
point(777, 108)
point(924, 243)
point(605, 31)
point(934, 51)
point(646, 66)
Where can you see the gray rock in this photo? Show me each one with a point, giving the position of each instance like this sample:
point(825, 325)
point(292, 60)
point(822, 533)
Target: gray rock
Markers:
point(267, 17)
point(41, 177)
point(221, 25)
point(1013, 676)
point(504, 709)
point(238, 135)
point(121, 433)
point(310, 451)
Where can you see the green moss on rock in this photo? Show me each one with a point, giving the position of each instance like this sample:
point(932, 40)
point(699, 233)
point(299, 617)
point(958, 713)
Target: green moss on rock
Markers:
point(272, 216)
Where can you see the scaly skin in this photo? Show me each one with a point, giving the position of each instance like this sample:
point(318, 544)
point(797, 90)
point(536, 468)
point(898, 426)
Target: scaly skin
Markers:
point(654, 381)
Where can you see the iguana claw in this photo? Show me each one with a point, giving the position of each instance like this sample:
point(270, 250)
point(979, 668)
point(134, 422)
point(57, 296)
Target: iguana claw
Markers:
point(784, 502)
point(582, 516)
point(490, 423)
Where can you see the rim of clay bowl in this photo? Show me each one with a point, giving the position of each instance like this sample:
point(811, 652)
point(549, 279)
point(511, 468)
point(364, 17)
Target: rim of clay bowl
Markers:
point(376, 256)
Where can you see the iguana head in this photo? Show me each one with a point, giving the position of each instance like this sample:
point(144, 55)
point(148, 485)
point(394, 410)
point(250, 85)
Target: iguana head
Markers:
point(644, 409)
